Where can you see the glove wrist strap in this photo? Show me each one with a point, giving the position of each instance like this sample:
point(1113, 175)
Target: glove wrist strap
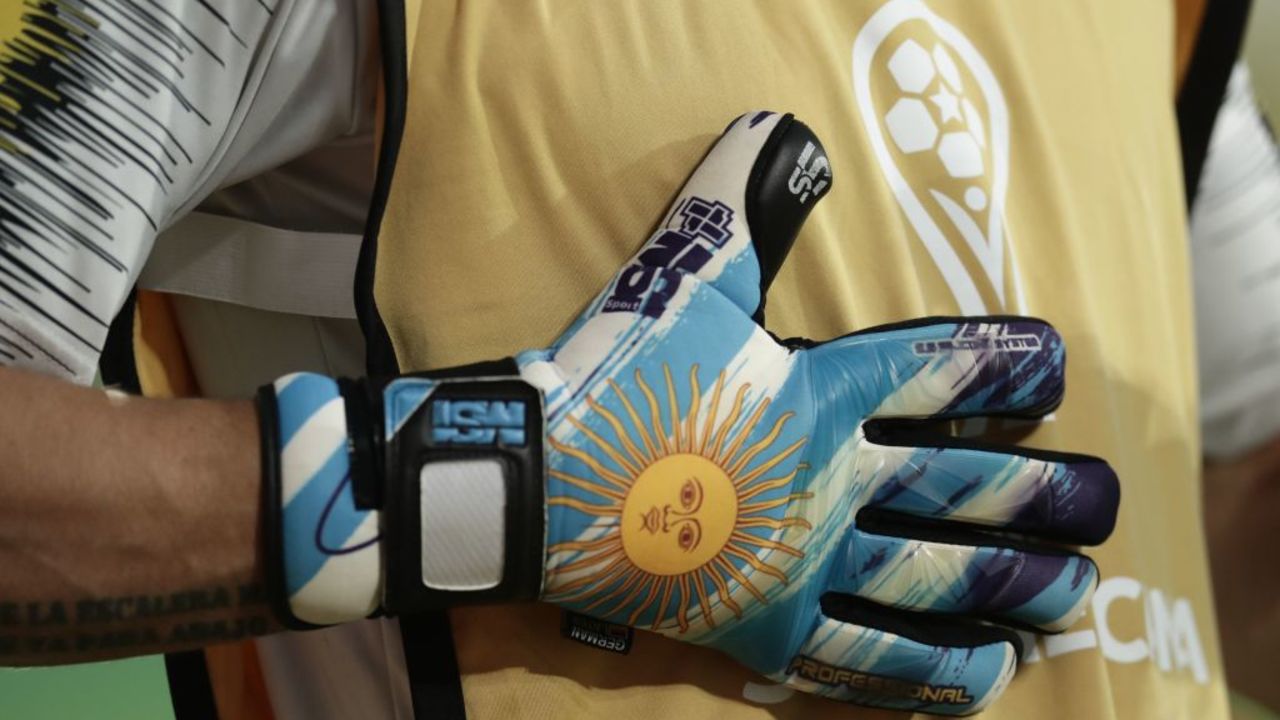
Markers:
point(464, 489)
point(422, 494)
point(323, 564)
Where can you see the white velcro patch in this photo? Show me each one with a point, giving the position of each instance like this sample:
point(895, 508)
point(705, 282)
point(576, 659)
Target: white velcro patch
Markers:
point(463, 524)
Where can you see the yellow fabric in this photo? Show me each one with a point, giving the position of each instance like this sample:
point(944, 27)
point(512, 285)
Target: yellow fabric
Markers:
point(158, 351)
point(545, 139)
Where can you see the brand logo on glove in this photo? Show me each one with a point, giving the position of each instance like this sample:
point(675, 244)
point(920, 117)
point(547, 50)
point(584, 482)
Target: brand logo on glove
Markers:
point(704, 227)
point(693, 508)
point(477, 422)
point(811, 175)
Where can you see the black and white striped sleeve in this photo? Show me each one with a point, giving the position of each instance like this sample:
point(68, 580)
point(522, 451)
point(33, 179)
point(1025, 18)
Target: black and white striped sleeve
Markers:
point(114, 118)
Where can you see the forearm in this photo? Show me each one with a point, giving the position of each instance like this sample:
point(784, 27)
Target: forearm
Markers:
point(126, 525)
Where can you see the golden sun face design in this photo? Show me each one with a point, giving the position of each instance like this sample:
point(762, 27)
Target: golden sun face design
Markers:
point(682, 503)
point(672, 526)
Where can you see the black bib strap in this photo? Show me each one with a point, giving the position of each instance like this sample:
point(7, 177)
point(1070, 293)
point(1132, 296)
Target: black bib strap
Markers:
point(190, 689)
point(434, 681)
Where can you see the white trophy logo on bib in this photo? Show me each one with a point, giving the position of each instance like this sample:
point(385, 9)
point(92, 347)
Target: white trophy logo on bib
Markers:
point(939, 128)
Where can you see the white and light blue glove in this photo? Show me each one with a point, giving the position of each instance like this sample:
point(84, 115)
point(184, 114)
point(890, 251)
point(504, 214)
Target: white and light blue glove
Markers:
point(668, 464)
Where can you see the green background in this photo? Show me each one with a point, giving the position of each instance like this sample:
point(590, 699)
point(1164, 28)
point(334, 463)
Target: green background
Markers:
point(121, 690)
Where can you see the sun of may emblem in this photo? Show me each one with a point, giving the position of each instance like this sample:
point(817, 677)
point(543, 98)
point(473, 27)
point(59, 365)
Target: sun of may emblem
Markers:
point(689, 511)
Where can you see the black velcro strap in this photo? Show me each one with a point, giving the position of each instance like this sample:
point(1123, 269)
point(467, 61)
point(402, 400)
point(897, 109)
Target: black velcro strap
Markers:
point(365, 435)
point(466, 420)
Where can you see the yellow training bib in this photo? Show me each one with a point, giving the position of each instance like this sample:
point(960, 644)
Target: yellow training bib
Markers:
point(989, 156)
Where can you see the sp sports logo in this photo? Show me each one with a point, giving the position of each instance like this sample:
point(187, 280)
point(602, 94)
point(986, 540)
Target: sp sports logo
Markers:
point(811, 175)
point(702, 227)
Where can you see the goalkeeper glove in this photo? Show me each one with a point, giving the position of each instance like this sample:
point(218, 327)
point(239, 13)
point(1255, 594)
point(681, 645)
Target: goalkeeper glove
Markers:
point(669, 464)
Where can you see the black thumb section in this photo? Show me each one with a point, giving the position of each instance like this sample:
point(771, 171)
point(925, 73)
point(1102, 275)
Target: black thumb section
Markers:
point(789, 177)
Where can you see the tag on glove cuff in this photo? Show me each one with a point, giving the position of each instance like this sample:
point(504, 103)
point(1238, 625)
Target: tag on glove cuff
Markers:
point(599, 634)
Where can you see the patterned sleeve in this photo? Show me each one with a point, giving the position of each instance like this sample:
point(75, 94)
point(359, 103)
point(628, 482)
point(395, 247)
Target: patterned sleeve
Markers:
point(1235, 262)
point(114, 116)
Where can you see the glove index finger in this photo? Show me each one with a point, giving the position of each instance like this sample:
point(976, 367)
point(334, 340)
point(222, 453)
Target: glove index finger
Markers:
point(735, 219)
point(952, 367)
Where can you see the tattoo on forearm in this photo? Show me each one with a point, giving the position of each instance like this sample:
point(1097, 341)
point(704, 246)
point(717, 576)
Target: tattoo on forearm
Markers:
point(200, 616)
